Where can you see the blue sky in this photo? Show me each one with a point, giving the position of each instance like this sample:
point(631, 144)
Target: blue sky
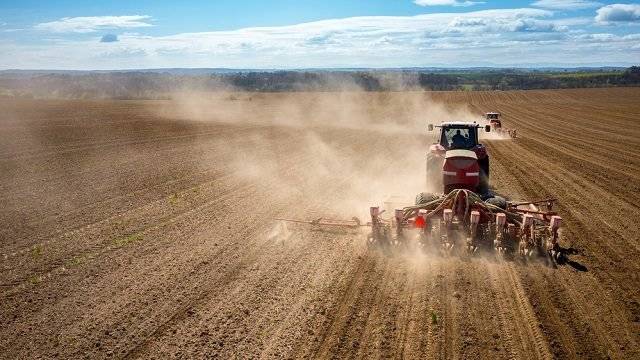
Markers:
point(329, 33)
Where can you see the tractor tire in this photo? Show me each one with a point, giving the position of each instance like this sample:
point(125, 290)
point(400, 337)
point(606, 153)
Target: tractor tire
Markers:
point(484, 166)
point(434, 173)
point(483, 186)
point(498, 201)
point(425, 197)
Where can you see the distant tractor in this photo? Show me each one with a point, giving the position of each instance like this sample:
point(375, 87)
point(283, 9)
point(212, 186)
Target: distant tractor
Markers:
point(458, 160)
point(494, 120)
point(496, 124)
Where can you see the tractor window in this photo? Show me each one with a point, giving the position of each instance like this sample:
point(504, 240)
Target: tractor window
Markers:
point(458, 138)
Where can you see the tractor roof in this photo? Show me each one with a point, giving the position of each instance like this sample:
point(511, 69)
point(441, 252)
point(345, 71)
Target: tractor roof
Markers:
point(461, 153)
point(459, 124)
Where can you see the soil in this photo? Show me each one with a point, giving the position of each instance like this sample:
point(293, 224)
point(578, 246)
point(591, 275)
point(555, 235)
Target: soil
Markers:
point(136, 229)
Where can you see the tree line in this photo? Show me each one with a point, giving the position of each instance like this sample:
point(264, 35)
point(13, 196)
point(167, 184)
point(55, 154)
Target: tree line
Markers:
point(153, 85)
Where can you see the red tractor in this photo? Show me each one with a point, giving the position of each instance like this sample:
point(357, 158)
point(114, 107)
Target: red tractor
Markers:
point(458, 160)
point(461, 212)
point(496, 124)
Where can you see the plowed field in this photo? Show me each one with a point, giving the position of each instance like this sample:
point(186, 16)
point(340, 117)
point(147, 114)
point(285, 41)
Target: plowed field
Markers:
point(144, 229)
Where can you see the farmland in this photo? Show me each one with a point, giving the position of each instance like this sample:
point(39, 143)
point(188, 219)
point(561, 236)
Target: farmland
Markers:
point(143, 228)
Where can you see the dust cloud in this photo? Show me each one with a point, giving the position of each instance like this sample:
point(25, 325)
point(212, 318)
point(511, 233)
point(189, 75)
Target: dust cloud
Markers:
point(346, 171)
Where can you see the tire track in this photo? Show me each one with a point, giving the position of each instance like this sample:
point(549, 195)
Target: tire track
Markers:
point(343, 316)
point(258, 257)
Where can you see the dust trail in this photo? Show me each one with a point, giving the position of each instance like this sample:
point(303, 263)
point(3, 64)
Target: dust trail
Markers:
point(396, 166)
point(387, 112)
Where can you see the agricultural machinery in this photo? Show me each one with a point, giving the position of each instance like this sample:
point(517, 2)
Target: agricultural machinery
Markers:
point(462, 214)
point(458, 160)
point(496, 124)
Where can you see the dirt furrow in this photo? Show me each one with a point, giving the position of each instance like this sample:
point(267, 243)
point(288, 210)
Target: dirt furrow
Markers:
point(157, 240)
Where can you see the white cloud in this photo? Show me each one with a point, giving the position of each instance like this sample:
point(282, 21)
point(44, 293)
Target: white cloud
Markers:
point(357, 33)
point(566, 4)
point(618, 13)
point(499, 24)
point(87, 24)
point(446, 3)
point(477, 38)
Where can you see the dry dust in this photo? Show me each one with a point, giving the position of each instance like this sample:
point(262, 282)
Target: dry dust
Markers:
point(395, 169)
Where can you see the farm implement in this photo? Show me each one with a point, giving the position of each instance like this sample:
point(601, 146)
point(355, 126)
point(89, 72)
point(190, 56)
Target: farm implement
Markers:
point(496, 125)
point(463, 220)
point(466, 216)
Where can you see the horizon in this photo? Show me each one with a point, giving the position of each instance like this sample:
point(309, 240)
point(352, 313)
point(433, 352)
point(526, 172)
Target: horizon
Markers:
point(332, 34)
point(330, 69)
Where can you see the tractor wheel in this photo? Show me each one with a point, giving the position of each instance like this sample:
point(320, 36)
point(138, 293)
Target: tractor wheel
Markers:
point(434, 173)
point(484, 166)
point(483, 186)
point(425, 197)
point(498, 201)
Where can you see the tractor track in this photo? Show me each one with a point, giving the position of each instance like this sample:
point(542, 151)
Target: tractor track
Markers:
point(513, 300)
point(133, 232)
point(206, 296)
point(604, 250)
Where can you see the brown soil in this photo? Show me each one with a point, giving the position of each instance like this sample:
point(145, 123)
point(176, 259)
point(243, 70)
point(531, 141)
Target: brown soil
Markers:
point(130, 230)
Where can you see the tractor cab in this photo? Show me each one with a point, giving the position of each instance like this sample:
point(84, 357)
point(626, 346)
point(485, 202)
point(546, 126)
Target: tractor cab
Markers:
point(461, 136)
